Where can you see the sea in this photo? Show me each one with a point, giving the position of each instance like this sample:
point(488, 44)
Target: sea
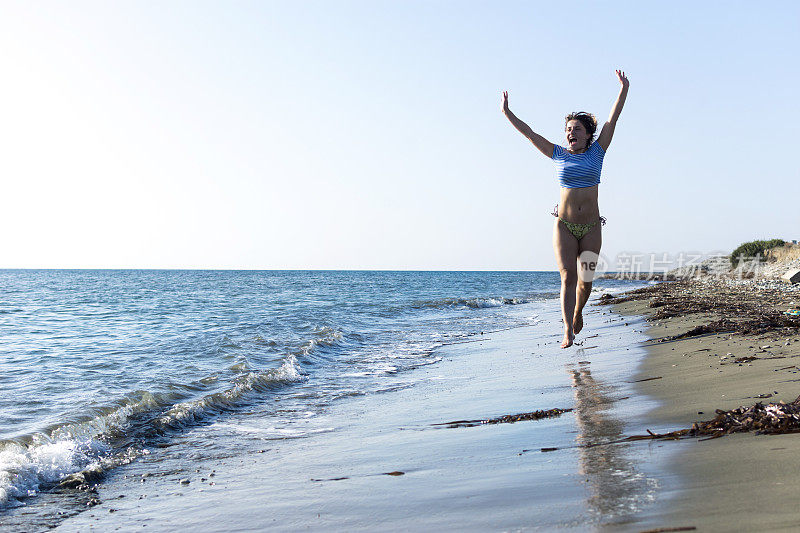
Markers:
point(101, 370)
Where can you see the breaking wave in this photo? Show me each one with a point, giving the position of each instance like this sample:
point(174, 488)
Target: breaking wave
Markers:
point(77, 453)
point(477, 303)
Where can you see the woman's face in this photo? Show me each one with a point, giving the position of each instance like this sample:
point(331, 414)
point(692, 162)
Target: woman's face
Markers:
point(577, 136)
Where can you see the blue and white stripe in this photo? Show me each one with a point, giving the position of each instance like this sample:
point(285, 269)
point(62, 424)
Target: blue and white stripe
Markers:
point(579, 170)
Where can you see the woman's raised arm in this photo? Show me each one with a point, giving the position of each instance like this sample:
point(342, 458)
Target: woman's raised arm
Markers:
point(544, 146)
point(608, 128)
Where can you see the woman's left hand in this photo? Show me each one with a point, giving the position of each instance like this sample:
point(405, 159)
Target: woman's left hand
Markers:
point(623, 80)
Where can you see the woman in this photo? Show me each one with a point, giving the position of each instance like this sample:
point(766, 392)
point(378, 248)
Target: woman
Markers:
point(577, 226)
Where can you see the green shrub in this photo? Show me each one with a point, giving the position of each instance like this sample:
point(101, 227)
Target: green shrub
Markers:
point(749, 250)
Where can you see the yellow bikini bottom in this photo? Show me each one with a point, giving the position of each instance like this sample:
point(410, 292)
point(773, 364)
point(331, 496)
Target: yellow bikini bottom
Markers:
point(578, 231)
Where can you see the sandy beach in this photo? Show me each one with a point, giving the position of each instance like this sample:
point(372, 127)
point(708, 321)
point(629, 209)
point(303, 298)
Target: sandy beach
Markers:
point(750, 354)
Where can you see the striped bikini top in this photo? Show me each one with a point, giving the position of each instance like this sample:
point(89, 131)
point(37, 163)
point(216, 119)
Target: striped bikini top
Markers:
point(579, 170)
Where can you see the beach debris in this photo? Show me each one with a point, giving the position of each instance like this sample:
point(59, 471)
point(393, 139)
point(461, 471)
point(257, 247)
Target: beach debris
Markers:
point(645, 379)
point(742, 310)
point(606, 299)
point(549, 449)
point(184, 481)
point(669, 529)
point(763, 419)
point(792, 312)
point(393, 473)
point(506, 419)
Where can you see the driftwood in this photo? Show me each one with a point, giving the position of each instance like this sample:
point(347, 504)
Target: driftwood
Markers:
point(743, 310)
point(669, 529)
point(763, 419)
point(507, 419)
point(770, 419)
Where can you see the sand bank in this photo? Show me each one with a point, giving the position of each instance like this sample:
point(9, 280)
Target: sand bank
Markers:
point(741, 482)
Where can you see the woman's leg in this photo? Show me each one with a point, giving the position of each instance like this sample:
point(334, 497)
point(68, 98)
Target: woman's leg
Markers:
point(566, 249)
point(591, 242)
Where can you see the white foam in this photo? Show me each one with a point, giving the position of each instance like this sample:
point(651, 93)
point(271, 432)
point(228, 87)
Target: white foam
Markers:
point(23, 469)
point(326, 336)
point(599, 291)
point(273, 432)
point(190, 411)
point(487, 302)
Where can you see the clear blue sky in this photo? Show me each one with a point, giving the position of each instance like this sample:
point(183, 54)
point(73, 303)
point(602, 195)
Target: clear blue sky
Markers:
point(368, 135)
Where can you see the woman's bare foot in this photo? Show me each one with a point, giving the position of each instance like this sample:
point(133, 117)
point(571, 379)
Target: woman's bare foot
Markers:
point(577, 323)
point(568, 338)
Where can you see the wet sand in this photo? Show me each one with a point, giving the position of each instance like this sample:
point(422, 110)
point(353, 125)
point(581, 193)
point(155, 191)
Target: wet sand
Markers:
point(740, 482)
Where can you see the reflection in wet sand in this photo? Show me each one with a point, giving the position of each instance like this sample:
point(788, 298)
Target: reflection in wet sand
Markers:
point(616, 487)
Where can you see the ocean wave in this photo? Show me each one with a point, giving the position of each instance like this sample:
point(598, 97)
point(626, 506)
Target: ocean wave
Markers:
point(191, 412)
point(75, 453)
point(323, 336)
point(24, 469)
point(472, 303)
point(599, 291)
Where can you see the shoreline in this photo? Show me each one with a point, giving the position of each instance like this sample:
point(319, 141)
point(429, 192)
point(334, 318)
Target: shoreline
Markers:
point(435, 451)
point(397, 460)
point(720, 344)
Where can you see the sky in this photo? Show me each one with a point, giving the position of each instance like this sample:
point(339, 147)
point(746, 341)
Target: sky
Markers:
point(369, 134)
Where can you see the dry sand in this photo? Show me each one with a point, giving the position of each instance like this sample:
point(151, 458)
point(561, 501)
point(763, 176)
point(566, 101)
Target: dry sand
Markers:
point(742, 482)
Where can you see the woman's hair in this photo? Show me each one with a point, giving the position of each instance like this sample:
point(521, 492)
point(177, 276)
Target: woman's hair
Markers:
point(589, 122)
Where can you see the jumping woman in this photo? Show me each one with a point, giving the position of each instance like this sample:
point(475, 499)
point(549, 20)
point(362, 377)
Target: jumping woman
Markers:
point(578, 220)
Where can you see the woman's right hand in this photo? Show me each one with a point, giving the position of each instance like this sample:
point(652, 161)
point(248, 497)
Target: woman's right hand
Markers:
point(623, 79)
point(505, 101)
